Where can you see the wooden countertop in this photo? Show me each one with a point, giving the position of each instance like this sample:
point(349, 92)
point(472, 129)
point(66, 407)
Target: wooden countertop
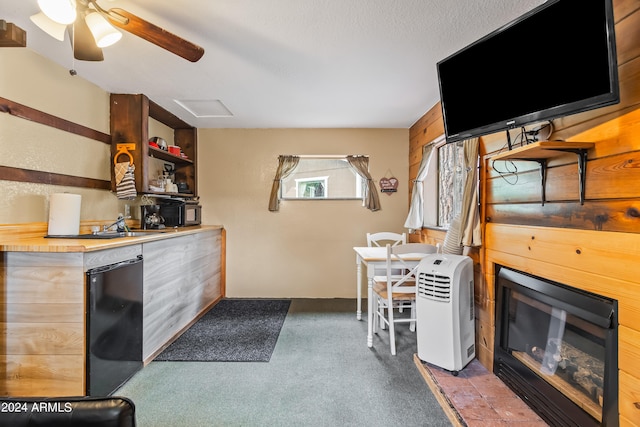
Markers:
point(11, 240)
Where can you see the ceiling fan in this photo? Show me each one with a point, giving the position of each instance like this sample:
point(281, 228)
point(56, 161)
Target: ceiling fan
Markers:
point(91, 28)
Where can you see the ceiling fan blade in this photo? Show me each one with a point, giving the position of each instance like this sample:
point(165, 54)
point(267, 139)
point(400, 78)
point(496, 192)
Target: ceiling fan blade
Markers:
point(84, 45)
point(156, 35)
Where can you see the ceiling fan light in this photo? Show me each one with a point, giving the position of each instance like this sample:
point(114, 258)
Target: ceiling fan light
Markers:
point(104, 34)
point(49, 26)
point(60, 11)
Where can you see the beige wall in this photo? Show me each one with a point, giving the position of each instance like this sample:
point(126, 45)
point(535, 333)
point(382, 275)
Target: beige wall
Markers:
point(305, 249)
point(31, 80)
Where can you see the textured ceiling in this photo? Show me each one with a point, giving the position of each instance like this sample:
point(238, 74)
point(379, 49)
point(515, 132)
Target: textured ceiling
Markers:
point(286, 63)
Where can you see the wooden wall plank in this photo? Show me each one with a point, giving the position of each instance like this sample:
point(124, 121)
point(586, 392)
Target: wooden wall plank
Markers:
point(43, 259)
point(629, 354)
point(624, 8)
point(612, 255)
point(618, 136)
point(28, 113)
point(619, 215)
point(629, 399)
point(42, 313)
point(628, 34)
point(8, 173)
point(428, 128)
point(42, 338)
point(42, 375)
point(42, 285)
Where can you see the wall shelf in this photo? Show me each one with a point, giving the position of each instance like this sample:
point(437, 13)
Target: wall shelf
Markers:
point(541, 151)
point(164, 155)
point(130, 114)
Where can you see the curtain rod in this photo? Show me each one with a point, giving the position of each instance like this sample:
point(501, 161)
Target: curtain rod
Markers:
point(438, 140)
point(327, 156)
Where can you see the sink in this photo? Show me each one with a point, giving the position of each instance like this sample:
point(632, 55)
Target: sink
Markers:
point(108, 234)
point(140, 233)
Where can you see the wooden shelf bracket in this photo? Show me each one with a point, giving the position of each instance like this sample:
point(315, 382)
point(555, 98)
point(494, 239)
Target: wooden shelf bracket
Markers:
point(541, 151)
point(582, 172)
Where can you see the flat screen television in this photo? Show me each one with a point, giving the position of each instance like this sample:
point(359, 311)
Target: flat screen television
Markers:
point(558, 59)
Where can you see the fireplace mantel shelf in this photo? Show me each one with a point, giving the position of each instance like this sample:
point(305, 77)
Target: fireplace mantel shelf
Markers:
point(541, 151)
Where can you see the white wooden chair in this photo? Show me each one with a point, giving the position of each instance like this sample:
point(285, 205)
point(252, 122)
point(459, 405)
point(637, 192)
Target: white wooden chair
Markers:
point(392, 291)
point(383, 237)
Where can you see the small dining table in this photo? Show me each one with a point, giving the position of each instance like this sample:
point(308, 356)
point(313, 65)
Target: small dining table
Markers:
point(374, 257)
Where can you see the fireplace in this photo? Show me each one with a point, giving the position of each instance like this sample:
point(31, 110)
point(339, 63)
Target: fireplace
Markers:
point(557, 348)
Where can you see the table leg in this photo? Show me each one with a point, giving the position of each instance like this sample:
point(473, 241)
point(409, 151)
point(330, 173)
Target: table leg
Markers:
point(359, 288)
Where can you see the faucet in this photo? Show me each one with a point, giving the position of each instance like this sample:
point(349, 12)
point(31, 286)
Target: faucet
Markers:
point(119, 223)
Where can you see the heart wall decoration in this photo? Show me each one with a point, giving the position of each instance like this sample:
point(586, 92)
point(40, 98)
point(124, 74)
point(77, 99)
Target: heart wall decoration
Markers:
point(389, 185)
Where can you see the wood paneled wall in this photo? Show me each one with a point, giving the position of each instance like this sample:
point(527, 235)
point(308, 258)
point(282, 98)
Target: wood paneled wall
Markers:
point(594, 246)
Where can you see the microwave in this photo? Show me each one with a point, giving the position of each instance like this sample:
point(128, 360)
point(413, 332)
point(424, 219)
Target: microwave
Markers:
point(179, 213)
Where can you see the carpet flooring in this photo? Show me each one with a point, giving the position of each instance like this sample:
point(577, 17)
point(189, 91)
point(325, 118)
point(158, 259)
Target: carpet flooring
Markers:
point(234, 330)
point(321, 374)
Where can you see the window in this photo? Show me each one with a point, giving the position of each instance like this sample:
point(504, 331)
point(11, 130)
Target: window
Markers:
point(444, 185)
point(312, 188)
point(451, 178)
point(322, 178)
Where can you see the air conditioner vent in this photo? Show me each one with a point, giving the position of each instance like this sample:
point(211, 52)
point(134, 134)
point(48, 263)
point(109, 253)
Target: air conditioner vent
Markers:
point(471, 351)
point(434, 286)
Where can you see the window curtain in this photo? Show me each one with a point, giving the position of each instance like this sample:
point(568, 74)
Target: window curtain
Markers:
point(286, 165)
point(415, 218)
point(470, 214)
point(370, 198)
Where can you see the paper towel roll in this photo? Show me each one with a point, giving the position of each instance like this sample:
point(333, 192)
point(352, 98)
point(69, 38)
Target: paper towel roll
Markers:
point(64, 214)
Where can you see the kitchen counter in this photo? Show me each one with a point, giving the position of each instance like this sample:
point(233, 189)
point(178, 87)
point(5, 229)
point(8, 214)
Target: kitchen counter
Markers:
point(28, 242)
point(45, 298)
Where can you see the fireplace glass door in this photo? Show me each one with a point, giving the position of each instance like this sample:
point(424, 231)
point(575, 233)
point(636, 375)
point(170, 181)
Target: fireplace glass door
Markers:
point(558, 336)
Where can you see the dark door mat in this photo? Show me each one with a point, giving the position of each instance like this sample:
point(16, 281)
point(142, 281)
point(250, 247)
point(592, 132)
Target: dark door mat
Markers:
point(234, 330)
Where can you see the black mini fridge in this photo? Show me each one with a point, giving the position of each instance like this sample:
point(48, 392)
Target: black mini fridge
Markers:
point(114, 325)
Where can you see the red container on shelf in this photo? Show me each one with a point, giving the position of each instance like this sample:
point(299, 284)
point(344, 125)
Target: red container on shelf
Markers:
point(174, 149)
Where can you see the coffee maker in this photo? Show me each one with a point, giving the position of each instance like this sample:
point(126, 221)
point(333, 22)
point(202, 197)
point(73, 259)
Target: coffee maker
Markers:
point(150, 217)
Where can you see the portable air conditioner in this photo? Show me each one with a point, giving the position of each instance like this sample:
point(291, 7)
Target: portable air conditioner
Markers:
point(445, 312)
